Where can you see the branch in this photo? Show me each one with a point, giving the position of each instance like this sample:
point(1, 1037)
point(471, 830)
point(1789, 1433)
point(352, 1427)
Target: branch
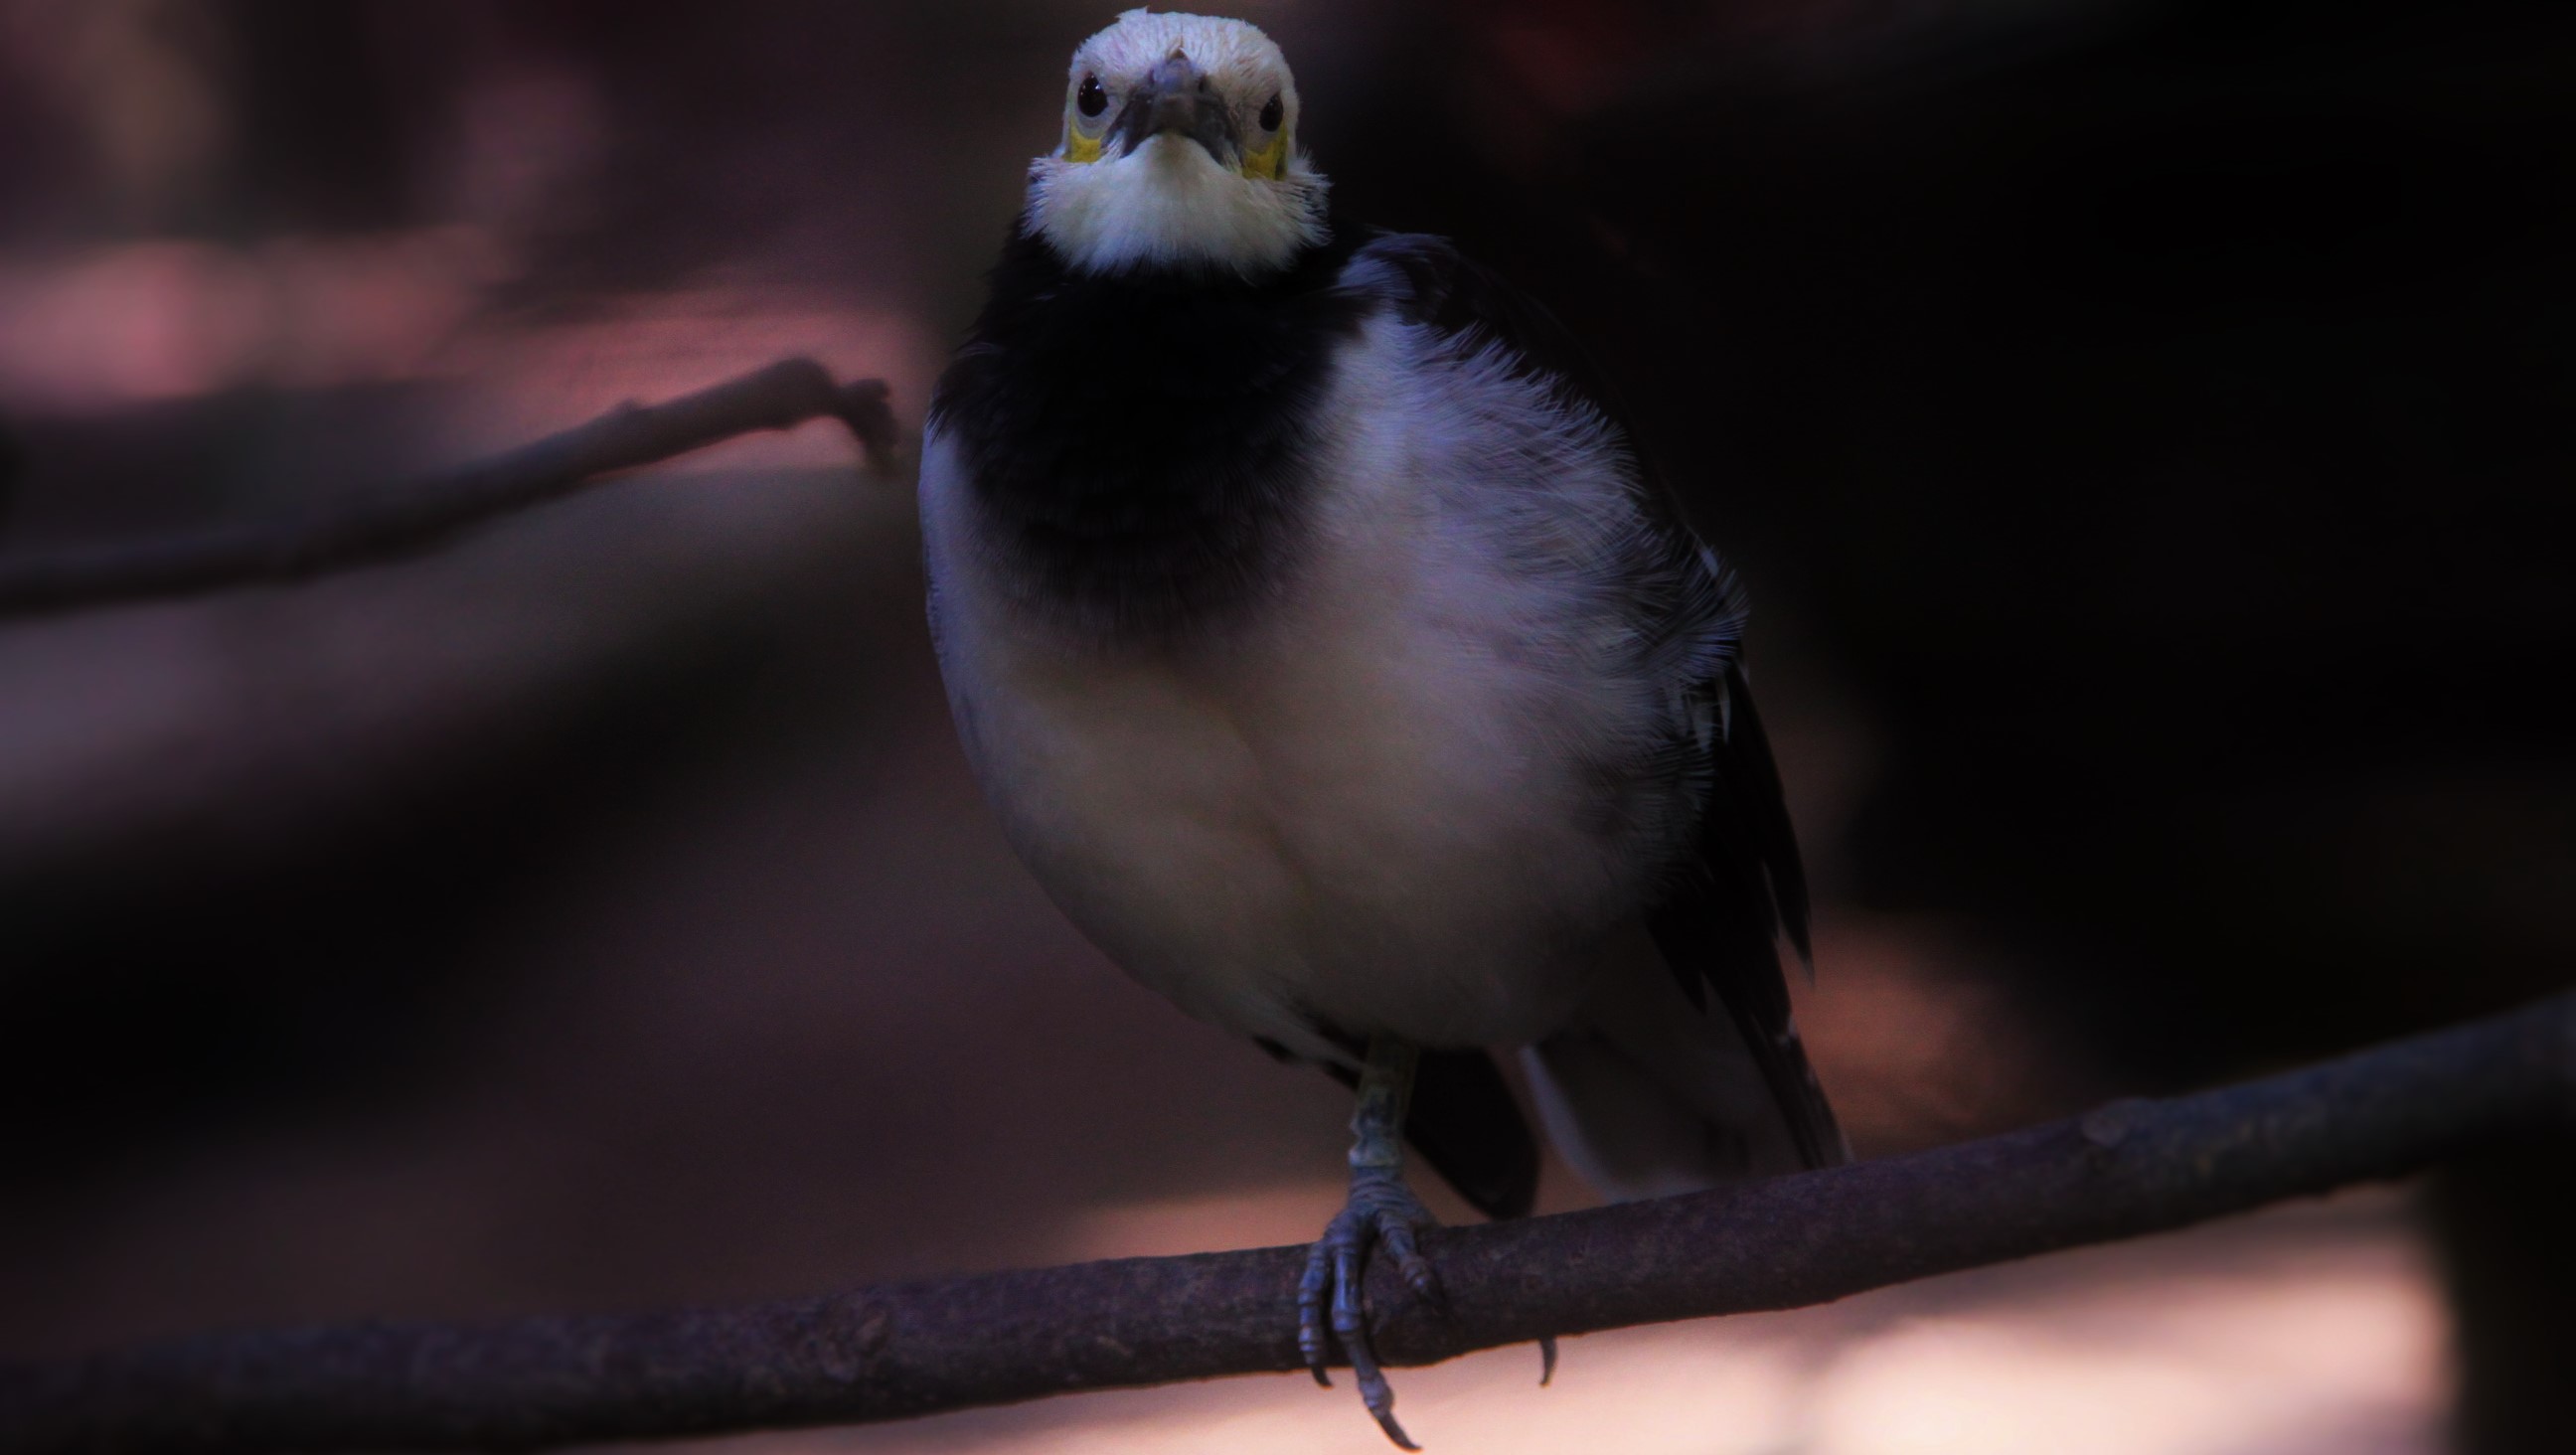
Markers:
point(781, 396)
point(2126, 1169)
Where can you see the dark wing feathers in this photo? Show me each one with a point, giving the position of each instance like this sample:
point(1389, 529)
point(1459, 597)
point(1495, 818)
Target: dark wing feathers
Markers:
point(1720, 921)
point(1722, 918)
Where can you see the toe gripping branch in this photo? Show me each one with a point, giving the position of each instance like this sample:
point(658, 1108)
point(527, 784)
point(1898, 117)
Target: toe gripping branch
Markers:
point(1380, 1211)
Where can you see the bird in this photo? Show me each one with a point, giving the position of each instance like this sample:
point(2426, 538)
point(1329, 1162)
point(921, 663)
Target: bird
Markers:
point(1331, 653)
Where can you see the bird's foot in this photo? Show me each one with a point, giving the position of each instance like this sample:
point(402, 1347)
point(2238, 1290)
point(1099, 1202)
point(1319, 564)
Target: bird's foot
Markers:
point(1381, 1212)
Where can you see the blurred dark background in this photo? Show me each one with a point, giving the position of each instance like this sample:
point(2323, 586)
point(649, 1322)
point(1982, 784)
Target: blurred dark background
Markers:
point(2143, 425)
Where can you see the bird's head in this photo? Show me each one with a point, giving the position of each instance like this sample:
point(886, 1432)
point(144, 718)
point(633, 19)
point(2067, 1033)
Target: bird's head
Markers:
point(1179, 151)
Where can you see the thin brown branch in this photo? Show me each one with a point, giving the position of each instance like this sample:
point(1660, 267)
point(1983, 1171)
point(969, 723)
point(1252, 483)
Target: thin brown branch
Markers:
point(884, 1353)
point(375, 528)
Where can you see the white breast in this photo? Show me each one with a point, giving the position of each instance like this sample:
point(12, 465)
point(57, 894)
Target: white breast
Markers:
point(1384, 800)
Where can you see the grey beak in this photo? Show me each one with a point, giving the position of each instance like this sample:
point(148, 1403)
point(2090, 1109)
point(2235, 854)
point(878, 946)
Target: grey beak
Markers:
point(1177, 96)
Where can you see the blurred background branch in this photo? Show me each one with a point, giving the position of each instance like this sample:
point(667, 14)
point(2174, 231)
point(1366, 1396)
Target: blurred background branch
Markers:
point(2125, 1169)
point(373, 528)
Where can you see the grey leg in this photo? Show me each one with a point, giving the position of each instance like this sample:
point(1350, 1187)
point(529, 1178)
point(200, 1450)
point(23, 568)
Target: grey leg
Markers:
point(1381, 1211)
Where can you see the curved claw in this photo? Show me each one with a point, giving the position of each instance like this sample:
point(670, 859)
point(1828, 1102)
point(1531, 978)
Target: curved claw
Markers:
point(1381, 1212)
point(1350, 1324)
point(1546, 1359)
point(1312, 1290)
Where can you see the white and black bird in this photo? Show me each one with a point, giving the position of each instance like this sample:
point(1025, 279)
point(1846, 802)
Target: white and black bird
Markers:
point(1335, 660)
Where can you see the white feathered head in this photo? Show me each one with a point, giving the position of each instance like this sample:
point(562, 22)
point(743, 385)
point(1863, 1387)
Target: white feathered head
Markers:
point(1179, 149)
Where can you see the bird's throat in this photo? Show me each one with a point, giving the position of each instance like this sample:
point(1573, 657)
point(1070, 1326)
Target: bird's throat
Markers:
point(1141, 445)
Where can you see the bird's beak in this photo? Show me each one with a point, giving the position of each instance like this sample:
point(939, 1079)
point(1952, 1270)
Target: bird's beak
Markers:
point(1177, 97)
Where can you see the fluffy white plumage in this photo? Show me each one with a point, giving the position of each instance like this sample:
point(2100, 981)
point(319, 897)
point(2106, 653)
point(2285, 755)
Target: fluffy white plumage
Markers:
point(1379, 802)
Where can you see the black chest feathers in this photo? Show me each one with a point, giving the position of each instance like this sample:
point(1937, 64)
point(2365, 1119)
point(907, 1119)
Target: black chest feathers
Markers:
point(1141, 446)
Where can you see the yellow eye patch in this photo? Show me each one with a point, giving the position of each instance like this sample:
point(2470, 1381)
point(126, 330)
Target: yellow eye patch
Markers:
point(1271, 162)
point(1268, 164)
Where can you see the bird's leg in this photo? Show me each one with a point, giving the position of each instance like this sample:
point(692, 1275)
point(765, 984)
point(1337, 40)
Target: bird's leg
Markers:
point(1381, 1210)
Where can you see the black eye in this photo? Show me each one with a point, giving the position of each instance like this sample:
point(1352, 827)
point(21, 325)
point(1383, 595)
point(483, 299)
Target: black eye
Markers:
point(1271, 114)
point(1091, 100)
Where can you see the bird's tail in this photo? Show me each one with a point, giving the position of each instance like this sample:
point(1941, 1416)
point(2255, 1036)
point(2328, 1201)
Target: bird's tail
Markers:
point(1647, 1094)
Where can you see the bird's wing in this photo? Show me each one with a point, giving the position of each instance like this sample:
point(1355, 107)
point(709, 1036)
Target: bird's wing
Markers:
point(1720, 922)
point(1742, 885)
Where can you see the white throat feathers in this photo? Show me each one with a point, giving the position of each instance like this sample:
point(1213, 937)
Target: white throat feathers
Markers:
point(1179, 150)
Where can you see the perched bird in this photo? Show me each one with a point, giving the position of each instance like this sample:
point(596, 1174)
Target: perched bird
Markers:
point(1333, 658)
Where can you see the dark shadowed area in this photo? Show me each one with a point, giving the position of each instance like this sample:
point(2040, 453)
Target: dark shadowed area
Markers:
point(2143, 424)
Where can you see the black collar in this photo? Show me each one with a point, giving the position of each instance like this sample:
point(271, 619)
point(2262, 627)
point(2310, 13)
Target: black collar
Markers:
point(1141, 444)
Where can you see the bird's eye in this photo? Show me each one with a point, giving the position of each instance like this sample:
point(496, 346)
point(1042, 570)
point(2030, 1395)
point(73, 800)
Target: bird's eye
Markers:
point(1092, 99)
point(1272, 114)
